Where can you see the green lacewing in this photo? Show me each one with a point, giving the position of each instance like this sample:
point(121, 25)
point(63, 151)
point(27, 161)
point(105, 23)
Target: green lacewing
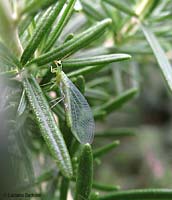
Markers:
point(79, 116)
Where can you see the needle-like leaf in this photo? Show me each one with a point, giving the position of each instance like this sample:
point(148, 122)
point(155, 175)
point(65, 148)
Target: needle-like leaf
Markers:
point(122, 7)
point(36, 5)
point(104, 187)
point(151, 194)
point(47, 124)
point(74, 44)
point(117, 102)
point(159, 53)
point(85, 174)
point(105, 149)
point(117, 132)
point(60, 25)
point(42, 28)
point(7, 59)
point(95, 60)
point(91, 11)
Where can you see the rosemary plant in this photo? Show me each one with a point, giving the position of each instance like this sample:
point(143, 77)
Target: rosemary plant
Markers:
point(49, 118)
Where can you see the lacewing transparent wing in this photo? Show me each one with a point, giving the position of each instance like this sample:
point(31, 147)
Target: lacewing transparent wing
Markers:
point(78, 112)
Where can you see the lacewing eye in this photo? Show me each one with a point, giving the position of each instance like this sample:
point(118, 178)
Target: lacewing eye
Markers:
point(59, 63)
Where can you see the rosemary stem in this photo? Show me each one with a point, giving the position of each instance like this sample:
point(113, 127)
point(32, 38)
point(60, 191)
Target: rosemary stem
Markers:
point(8, 29)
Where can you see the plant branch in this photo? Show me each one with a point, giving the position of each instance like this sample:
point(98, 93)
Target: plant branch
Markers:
point(8, 29)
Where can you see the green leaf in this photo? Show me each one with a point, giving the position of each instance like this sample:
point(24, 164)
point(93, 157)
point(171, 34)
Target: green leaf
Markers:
point(43, 27)
point(119, 101)
point(122, 7)
point(7, 59)
point(95, 60)
point(91, 11)
point(141, 194)
point(47, 124)
point(34, 6)
point(23, 25)
point(117, 132)
point(100, 114)
point(98, 81)
point(84, 174)
point(161, 17)
point(103, 187)
point(74, 44)
point(98, 94)
point(60, 25)
point(85, 70)
point(8, 29)
point(94, 196)
point(69, 37)
point(80, 83)
point(64, 188)
point(22, 104)
point(113, 14)
point(8, 74)
point(159, 53)
point(105, 149)
point(47, 175)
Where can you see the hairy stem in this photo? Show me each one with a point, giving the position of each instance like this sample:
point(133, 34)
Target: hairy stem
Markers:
point(8, 29)
point(142, 9)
